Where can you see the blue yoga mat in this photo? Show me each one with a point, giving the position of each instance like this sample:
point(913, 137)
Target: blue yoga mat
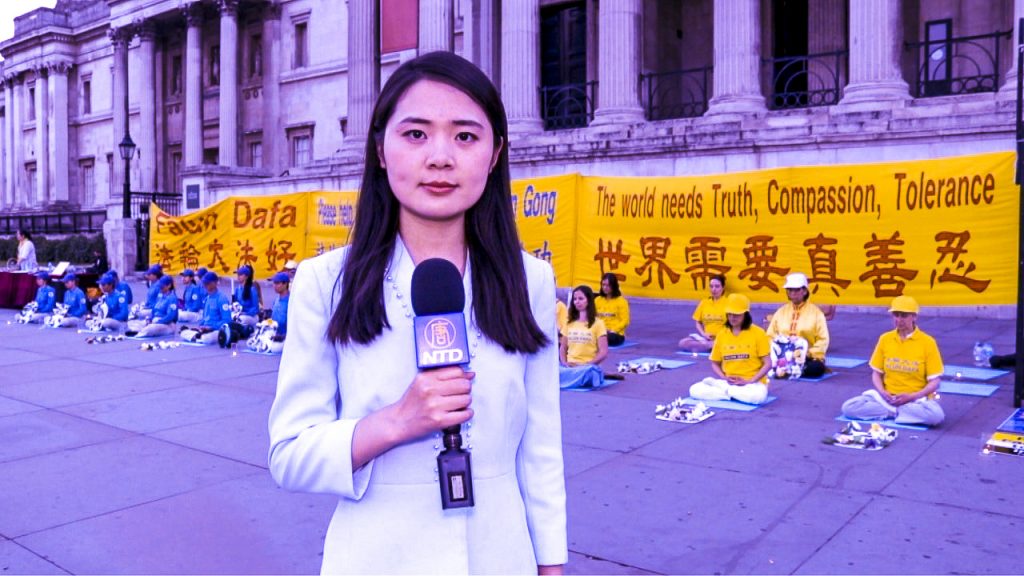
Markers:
point(693, 354)
point(666, 363)
point(842, 362)
point(731, 404)
point(972, 372)
point(887, 422)
point(967, 388)
point(247, 351)
point(625, 344)
point(1015, 423)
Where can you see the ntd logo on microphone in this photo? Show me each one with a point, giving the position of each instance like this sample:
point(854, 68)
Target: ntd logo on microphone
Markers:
point(440, 341)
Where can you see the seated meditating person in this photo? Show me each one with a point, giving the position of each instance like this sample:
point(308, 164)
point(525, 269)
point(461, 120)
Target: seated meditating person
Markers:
point(613, 309)
point(116, 303)
point(247, 295)
point(799, 333)
point(278, 318)
point(561, 310)
point(75, 300)
point(905, 370)
point(584, 344)
point(46, 297)
point(153, 275)
point(165, 313)
point(122, 287)
point(193, 298)
point(709, 318)
point(216, 313)
point(739, 358)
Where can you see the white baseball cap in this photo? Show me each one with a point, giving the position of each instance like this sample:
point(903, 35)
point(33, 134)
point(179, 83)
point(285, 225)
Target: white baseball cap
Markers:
point(796, 280)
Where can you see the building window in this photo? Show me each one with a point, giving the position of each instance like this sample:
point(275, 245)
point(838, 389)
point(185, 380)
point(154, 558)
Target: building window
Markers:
point(87, 95)
point(30, 175)
point(32, 103)
point(211, 156)
point(939, 67)
point(256, 154)
point(301, 141)
point(110, 176)
point(87, 169)
point(214, 66)
point(175, 168)
point(255, 56)
point(301, 45)
point(175, 79)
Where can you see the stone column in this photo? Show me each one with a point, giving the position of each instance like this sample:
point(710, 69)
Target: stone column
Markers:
point(193, 144)
point(520, 64)
point(59, 79)
point(119, 103)
point(42, 137)
point(10, 184)
point(4, 153)
point(363, 71)
point(875, 44)
point(18, 142)
point(273, 135)
point(436, 25)
point(737, 83)
point(228, 132)
point(146, 138)
point(618, 88)
point(1009, 89)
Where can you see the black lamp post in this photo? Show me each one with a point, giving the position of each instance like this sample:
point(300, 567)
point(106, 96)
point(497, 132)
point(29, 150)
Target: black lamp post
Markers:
point(127, 150)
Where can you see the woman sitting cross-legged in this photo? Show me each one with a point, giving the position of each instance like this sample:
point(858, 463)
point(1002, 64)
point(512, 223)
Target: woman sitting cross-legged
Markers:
point(739, 358)
point(584, 344)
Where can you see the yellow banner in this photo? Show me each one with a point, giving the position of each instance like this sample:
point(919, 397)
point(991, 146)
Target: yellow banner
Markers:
point(545, 210)
point(943, 231)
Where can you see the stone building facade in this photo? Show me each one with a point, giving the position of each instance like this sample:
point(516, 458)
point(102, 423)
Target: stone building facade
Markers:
point(266, 96)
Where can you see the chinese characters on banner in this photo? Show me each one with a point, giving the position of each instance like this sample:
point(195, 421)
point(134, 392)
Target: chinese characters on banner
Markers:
point(943, 231)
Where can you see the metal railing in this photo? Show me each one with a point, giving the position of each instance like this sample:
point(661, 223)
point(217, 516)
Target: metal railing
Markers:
point(167, 201)
point(964, 65)
point(63, 222)
point(567, 105)
point(807, 81)
point(677, 93)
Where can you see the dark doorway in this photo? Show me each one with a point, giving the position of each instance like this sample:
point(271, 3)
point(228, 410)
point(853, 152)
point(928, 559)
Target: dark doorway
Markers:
point(789, 50)
point(565, 97)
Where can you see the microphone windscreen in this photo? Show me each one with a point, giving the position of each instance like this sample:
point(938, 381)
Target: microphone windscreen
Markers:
point(437, 288)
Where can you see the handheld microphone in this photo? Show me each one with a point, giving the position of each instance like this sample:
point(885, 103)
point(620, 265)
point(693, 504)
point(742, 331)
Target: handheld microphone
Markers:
point(438, 299)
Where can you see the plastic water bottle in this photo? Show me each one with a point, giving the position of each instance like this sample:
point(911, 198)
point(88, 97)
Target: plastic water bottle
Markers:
point(979, 354)
point(986, 353)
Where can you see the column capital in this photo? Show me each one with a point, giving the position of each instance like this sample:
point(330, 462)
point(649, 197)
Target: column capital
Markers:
point(41, 70)
point(271, 11)
point(60, 67)
point(228, 7)
point(193, 13)
point(121, 36)
point(146, 29)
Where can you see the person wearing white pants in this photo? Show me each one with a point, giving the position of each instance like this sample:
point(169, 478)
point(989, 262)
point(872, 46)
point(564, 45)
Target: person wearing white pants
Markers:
point(739, 358)
point(905, 370)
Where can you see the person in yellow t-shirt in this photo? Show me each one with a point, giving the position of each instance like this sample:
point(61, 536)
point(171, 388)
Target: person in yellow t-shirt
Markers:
point(561, 316)
point(739, 358)
point(905, 370)
point(800, 319)
point(709, 318)
point(613, 309)
point(583, 345)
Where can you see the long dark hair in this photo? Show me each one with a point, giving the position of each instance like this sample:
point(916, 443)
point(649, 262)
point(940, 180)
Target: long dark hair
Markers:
point(574, 313)
point(613, 284)
point(501, 305)
point(247, 287)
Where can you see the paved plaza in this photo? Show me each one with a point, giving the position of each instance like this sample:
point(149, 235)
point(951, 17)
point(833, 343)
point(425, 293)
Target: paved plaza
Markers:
point(117, 460)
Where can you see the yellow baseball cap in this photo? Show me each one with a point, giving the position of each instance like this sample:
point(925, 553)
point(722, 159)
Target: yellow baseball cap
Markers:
point(737, 304)
point(904, 304)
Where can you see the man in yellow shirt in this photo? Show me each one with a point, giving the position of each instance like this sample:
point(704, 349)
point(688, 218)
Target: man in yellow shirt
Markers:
point(906, 367)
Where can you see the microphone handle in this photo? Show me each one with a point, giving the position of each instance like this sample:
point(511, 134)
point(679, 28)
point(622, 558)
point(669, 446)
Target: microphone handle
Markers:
point(456, 429)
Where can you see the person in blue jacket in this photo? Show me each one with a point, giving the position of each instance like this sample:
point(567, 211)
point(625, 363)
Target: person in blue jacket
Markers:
point(46, 297)
point(279, 313)
point(74, 299)
point(216, 313)
point(122, 287)
point(116, 302)
point(165, 313)
point(193, 299)
point(153, 276)
point(248, 296)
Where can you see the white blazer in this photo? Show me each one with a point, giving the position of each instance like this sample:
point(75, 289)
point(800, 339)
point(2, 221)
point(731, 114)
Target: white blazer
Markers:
point(389, 517)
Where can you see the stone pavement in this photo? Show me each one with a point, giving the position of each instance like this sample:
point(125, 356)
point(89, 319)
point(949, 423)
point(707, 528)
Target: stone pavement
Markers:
point(116, 460)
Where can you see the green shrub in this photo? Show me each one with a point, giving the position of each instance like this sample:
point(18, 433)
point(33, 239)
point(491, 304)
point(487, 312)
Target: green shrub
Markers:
point(76, 249)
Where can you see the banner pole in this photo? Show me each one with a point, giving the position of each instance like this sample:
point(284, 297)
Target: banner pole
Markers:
point(1018, 383)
